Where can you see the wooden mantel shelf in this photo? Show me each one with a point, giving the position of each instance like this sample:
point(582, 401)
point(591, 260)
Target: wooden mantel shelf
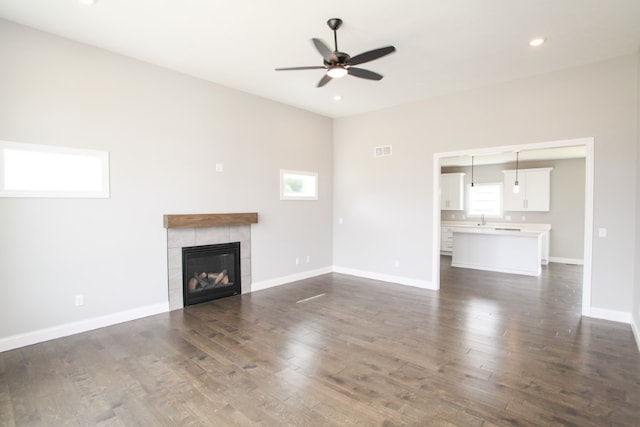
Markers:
point(210, 220)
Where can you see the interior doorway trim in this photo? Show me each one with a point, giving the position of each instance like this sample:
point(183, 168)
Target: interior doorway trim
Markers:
point(588, 143)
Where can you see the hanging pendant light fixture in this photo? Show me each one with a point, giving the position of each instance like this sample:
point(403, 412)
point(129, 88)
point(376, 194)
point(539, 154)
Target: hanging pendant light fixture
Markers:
point(516, 186)
point(472, 171)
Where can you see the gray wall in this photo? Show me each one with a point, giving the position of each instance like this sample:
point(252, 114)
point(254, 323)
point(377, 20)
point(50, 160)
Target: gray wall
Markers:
point(164, 132)
point(567, 202)
point(394, 195)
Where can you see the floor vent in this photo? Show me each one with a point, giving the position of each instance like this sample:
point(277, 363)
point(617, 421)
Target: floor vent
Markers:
point(382, 151)
point(310, 298)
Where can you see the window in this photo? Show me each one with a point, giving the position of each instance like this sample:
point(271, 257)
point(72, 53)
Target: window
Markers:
point(297, 185)
point(484, 199)
point(31, 170)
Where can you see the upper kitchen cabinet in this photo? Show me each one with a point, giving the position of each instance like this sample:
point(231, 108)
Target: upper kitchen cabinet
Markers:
point(534, 194)
point(452, 191)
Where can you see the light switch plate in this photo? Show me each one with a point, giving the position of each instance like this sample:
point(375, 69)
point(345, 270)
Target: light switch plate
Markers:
point(602, 232)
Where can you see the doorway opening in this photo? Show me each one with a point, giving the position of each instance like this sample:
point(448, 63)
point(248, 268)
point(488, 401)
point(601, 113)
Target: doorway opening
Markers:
point(587, 143)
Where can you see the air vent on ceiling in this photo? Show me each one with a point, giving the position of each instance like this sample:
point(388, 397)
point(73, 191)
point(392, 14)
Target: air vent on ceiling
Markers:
point(382, 151)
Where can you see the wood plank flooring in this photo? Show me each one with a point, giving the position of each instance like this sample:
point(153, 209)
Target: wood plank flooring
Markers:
point(489, 349)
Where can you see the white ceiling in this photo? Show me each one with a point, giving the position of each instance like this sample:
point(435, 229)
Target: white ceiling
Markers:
point(442, 46)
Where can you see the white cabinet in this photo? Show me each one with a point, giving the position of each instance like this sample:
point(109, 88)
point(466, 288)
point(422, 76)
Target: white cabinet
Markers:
point(535, 188)
point(452, 191)
point(446, 240)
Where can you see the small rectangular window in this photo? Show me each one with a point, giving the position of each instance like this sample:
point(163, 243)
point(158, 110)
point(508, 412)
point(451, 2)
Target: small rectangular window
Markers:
point(32, 170)
point(484, 199)
point(298, 185)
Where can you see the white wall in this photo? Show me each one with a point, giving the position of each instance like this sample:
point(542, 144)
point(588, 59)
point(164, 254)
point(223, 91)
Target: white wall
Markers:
point(386, 203)
point(164, 132)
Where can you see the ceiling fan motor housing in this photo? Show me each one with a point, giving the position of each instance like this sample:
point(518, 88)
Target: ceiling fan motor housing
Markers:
point(343, 59)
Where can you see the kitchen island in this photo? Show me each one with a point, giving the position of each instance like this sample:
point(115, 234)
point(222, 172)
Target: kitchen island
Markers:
point(506, 251)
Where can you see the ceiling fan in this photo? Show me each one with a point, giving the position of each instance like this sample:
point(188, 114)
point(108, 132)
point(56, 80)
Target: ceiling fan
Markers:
point(338, 64)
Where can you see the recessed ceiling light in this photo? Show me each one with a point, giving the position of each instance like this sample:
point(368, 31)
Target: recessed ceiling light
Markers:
point(536, 42)
point(337, 97)
point(88, 2)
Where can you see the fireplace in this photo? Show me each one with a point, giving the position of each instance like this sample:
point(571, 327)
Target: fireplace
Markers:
point(190, 230)
point(210, 272)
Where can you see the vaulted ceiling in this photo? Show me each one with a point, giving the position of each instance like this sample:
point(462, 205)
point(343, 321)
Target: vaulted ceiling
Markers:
point(442, 46)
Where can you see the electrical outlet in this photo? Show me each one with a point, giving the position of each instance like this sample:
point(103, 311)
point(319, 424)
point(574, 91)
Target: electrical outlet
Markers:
point(219, 167)
point(602, 232)
point(397, 263)
point(524, 218)
point(308, 259)
point(297, 261)
point(508, 217)
point(340, 221)
point(79, 300)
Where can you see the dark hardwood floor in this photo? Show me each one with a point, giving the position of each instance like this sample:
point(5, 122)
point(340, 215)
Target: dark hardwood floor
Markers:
point(489, 349)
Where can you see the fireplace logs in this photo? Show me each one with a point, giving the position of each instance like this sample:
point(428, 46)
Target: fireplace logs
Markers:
point(206, 280)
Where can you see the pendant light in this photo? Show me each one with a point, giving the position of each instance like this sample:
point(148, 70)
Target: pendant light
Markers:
point(516, 186)
point(472, 171)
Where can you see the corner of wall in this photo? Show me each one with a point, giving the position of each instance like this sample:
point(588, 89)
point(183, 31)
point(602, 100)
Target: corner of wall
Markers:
point(635, 308)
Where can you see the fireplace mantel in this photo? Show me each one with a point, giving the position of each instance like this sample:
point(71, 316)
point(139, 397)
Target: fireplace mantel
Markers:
point(210, 220)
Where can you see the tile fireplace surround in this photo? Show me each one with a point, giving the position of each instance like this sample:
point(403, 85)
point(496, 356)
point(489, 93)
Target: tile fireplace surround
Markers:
point(206, 229)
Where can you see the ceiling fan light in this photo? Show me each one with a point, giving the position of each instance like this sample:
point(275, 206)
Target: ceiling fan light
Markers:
point(337, 72)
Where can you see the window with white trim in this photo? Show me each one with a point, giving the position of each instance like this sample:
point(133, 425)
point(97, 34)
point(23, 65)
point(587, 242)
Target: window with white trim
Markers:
point(298, 185)
point(32, 170)
point(484, 199)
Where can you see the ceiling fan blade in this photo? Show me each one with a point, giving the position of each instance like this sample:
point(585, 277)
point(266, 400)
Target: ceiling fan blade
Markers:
point(324, 50)
point(324, 80)
point(313, 67)
point(371, 55)
point(364, 74)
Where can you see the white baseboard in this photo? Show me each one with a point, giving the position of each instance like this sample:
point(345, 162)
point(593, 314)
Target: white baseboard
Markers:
point(635, 327)
point(407, 281)
point(29, 338)
point(613, 315)
point(572, 261)
point(266, 284)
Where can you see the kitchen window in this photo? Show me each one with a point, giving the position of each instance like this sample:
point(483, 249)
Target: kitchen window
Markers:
point(484, 199)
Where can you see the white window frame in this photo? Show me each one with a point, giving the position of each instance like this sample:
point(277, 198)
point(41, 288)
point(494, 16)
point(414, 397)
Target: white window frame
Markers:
point(469, 207)
point(309, 190)
point(64, 156)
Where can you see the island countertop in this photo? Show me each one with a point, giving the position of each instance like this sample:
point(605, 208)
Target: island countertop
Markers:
point(496, 231)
